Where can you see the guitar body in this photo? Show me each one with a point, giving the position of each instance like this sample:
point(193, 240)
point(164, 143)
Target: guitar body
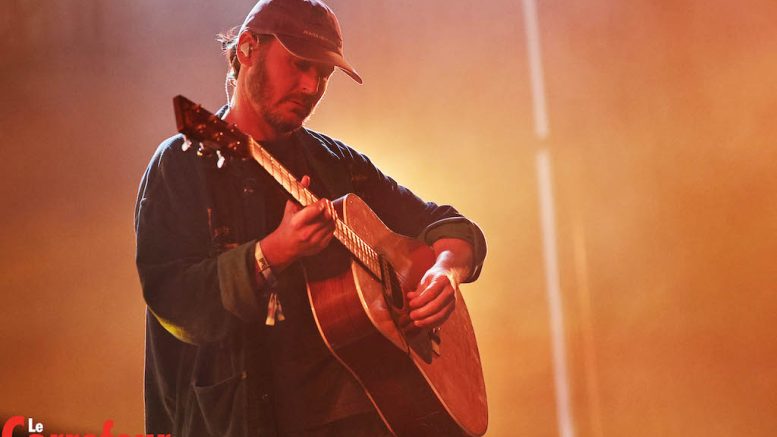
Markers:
point(421, 383)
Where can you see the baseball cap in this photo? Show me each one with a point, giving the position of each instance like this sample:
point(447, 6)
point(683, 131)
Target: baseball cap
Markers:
point(306, 28)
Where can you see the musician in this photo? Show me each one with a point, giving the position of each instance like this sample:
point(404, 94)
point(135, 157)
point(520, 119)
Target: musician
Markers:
point(219, 359)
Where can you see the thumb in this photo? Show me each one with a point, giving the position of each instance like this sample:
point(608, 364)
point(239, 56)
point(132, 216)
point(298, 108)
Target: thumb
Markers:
point(290, 209)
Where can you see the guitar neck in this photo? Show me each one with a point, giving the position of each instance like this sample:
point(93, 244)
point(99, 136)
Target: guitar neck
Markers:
point(360, 250)
point(214, 135)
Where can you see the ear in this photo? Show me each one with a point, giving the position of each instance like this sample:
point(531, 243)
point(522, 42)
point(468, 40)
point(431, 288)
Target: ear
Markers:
point(246, 48)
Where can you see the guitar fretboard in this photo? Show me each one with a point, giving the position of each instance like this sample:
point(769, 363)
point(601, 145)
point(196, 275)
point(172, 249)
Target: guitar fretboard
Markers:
point(362, 251)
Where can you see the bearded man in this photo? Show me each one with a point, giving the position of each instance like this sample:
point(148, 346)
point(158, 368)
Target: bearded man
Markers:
point(215, 247)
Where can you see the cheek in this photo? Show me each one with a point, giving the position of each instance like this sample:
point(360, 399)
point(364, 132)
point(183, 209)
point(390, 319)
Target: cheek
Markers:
point(260, 88)
point(253, 85)
point(277, 88)
point(321, 91)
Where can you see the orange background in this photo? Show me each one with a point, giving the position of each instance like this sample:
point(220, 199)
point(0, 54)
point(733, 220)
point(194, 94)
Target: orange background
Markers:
point(664, 169)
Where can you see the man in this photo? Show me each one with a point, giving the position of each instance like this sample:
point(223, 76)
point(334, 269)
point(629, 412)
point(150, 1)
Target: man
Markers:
point(219, 250)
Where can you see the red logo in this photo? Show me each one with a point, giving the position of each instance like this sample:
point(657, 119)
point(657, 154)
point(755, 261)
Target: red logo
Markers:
point(36, 429)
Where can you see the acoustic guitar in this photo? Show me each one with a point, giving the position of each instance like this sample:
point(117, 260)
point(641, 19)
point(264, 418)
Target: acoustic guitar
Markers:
point(422, 382)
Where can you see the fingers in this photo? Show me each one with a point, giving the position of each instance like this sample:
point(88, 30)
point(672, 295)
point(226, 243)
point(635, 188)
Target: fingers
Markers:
point(437, 318)
point(321, 237)
point(319, 211)
point(442, 296)
point(428, 289)
point(291, 208)
point(308, 230)
point(322, 206)
point(433, 302)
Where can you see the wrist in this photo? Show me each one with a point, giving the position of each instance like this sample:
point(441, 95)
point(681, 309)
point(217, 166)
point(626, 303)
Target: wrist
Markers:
point(456, 256)
point(264, 270)
point(274, 254)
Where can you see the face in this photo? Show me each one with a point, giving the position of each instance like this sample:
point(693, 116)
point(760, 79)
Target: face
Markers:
point(284, 89)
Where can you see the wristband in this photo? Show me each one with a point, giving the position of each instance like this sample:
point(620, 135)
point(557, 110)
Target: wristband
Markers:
point(274, 308)
point(264, 266)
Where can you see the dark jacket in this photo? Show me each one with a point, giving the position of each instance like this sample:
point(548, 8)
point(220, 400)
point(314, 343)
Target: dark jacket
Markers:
point(196, 229)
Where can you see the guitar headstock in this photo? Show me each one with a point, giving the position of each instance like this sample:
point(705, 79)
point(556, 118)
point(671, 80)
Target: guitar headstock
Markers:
point(213, 134)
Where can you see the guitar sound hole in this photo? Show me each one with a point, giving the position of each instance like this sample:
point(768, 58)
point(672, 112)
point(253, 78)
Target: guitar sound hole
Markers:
point(391, 286)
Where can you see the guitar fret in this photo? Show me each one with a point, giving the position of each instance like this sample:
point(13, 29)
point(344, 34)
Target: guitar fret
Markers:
point(295, 193)
point(311, 198)
point(286, 181)
point(365, 254)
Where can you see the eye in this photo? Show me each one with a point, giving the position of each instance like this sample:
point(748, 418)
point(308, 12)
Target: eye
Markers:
point(302, 65)
point(323, 71)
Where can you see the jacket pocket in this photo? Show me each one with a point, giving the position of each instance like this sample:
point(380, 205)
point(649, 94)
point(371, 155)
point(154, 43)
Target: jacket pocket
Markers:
point(223, 405)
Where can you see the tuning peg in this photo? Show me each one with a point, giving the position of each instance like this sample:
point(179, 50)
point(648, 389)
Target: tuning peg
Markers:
point(203, 151)
point(220, 163)
point(187, 144)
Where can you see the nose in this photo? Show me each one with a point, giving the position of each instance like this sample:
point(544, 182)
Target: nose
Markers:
point(310, 83)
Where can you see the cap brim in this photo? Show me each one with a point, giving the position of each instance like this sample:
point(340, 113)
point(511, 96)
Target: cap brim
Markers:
point(303, 49)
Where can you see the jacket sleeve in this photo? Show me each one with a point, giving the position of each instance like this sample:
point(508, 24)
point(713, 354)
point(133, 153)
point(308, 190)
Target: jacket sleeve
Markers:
point(196, 294)
point(405, 213)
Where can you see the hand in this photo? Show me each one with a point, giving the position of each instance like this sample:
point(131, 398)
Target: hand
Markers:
point(302, 232)
point(434, 300)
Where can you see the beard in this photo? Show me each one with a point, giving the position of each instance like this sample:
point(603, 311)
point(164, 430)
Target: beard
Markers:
point(262, 91)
